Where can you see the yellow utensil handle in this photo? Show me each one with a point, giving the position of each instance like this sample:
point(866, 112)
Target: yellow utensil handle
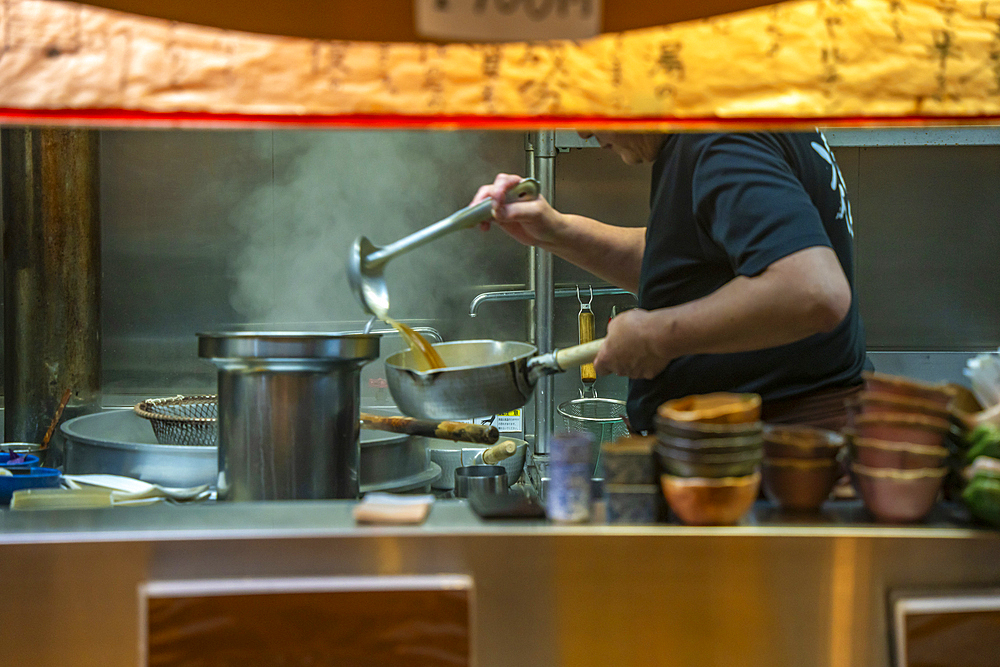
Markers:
point(587, 371)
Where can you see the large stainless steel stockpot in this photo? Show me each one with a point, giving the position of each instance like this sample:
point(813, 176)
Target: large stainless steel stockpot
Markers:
point(288, 412)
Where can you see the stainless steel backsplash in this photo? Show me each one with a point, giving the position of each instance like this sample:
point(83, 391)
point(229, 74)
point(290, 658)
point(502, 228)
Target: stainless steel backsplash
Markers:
point(212, 230)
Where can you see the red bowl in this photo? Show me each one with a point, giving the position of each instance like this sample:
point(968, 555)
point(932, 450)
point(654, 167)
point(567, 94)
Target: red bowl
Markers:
point(898, 496)
point(899, 455)
point(899, 427)
point(799, 484)
point(894, 385)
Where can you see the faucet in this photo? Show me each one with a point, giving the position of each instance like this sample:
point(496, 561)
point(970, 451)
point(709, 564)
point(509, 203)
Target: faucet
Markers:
point(526, 294)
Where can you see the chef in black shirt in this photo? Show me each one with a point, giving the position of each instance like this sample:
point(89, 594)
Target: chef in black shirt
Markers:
point(744, 272)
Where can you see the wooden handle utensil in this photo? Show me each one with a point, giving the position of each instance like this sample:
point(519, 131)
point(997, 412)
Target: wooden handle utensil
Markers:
point(446, 430)
point(499, 452)
point(55, 419)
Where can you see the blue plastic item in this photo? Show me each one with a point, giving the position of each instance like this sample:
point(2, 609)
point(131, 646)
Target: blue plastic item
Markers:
point(30, 460)
point(27, 478)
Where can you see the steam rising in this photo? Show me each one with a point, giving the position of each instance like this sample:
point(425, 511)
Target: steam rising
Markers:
point(330, 187)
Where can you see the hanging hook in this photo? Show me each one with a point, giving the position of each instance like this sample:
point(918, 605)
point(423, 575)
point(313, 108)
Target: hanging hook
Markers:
point(585, 306)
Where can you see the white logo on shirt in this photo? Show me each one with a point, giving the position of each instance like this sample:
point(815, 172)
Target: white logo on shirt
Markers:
point(836, 182)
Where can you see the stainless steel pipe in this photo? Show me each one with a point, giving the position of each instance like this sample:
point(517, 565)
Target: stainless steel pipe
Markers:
point(288, 413)
point(529, 294)
point(544, 303)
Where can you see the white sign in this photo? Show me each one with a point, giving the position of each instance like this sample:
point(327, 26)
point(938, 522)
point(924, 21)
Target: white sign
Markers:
point(507, 422)
point(508, 20)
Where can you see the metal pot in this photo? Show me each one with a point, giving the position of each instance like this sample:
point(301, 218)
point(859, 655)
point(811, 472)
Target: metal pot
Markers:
point(395, 462)
point(288, 412)
point(482, 377)
point(118, 442)
point(487, 480)
point(450, 455)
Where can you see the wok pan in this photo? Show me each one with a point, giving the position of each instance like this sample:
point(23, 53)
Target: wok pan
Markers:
point(482, 377)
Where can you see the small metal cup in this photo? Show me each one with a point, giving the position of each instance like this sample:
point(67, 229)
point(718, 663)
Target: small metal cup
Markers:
point(485, 480)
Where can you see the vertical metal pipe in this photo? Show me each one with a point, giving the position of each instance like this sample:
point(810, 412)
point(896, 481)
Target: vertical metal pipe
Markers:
point(545, 165)
point(52, 269)
point(529, 172)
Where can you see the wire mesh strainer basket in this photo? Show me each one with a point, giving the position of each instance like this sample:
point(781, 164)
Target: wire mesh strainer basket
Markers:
point(603, 418)
point(183, 420)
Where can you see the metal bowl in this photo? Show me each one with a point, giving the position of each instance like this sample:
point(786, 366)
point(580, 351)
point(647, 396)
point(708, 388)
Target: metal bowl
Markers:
point(482, 377)
point(119, 442)
point(480, 479)
point(451, 455)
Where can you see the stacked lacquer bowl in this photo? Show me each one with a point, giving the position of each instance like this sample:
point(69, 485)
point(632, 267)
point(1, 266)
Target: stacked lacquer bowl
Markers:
point(709, 451)
point(897, 440)
point(801, 465)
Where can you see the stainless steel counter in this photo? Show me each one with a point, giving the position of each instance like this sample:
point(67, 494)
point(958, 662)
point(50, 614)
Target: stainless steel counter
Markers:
point(776, 591)
point(332, 519)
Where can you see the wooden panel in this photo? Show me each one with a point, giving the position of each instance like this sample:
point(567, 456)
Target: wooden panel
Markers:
point(357, 621)
point(961, 639)
point(946, 628)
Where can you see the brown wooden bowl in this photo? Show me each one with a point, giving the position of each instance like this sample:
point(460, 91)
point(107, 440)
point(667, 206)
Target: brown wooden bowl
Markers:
point(800, 442)
point(899, 455)
point(874, 402)
point(939, 394)
point(716, 408)
point(799, 484)
point(899, 427)
point(898, 496)
point(710, 502)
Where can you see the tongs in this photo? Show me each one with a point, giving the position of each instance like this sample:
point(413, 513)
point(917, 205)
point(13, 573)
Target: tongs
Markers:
point(366, 263)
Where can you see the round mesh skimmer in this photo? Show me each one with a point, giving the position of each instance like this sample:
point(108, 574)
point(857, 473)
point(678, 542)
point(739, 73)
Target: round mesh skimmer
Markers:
point(601, 417)
point(183, 420)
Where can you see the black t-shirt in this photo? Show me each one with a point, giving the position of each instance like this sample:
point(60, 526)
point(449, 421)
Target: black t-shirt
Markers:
point(727, 205)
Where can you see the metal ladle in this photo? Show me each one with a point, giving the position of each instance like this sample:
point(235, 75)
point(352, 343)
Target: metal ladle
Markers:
point(366, 263)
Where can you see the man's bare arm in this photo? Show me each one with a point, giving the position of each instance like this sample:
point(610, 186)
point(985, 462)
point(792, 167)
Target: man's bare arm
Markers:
point(800, 295)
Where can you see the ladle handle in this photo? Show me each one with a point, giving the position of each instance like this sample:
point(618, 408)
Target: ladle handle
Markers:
point(469, 216)
point(445, 430)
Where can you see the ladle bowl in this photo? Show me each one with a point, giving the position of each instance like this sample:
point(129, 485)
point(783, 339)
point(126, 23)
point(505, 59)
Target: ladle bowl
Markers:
point(366, 263)
point(368, 281)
